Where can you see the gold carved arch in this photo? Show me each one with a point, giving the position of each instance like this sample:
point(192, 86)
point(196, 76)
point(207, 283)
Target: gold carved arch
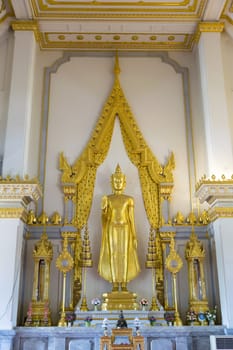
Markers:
point(79, 180)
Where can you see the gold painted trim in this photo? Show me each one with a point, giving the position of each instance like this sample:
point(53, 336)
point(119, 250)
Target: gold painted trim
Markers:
point(220, 212)
point(185, 45)
point(216, 27)
point(19, 180)
point(192, 12)
point(227, 18)
point(213, 181)
point(76, 3)
point(13, 213)
point(27, 26)
point(208, 27)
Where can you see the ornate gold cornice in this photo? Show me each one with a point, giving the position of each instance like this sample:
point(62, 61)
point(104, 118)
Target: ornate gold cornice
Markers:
point(27, 26)
point(213, 189)
point(210, 27)
point(19, 190)
point(13, 213)
point(220, 212)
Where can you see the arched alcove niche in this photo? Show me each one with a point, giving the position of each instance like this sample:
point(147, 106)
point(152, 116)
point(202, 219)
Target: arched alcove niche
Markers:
point(78, 180)
point(185, 179)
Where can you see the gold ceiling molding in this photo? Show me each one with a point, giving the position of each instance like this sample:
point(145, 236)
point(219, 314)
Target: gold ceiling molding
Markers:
point(27, 26)
point(117, 41)
point(13, 213)
point(77, 3)
point(228, 11)
point(67, 9)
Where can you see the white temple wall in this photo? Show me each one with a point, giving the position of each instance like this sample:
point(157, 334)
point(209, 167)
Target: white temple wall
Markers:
point(227, 51)
point(6, 45)
point(10, 270)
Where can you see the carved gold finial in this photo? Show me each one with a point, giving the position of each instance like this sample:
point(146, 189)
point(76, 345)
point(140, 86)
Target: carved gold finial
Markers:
point(118, 170)
point(43, 219)
point(117, 69)
point(31, 218)
point(56, 218)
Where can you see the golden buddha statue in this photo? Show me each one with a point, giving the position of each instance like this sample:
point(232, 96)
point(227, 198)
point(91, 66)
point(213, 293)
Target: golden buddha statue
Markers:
point(118, 261)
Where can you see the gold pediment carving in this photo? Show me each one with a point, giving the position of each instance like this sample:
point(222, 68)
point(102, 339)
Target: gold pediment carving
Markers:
point(83, 173)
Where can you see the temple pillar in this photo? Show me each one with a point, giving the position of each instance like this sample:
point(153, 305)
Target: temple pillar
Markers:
point(15, 195)
point(218, 194)
point(216, 120)
point(18, 130)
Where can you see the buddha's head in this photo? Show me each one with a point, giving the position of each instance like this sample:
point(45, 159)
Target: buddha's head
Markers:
point(118, 180)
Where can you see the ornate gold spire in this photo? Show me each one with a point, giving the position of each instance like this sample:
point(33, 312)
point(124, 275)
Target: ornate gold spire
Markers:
point(117, 69)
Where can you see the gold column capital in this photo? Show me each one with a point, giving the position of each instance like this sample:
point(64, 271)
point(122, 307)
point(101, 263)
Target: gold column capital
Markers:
point(13, 213)
point(210, 27)
point(30, 25)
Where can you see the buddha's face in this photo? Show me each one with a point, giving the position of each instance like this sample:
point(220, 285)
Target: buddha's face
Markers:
point(118, 183)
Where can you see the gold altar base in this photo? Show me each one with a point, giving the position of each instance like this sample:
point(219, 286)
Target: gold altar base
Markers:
point(120, 300)
point(38, 315)
point(199, 305)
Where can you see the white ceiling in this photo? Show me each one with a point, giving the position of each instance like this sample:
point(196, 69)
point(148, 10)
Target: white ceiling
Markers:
point(116, 24)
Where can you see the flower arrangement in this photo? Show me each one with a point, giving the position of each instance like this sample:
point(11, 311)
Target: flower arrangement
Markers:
point(96, 301)
point(152, 320)
point(211, 314)
point(70, 317)
point(191, 316)
point(88, 319)
point(169, 317)
point(144, 302)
